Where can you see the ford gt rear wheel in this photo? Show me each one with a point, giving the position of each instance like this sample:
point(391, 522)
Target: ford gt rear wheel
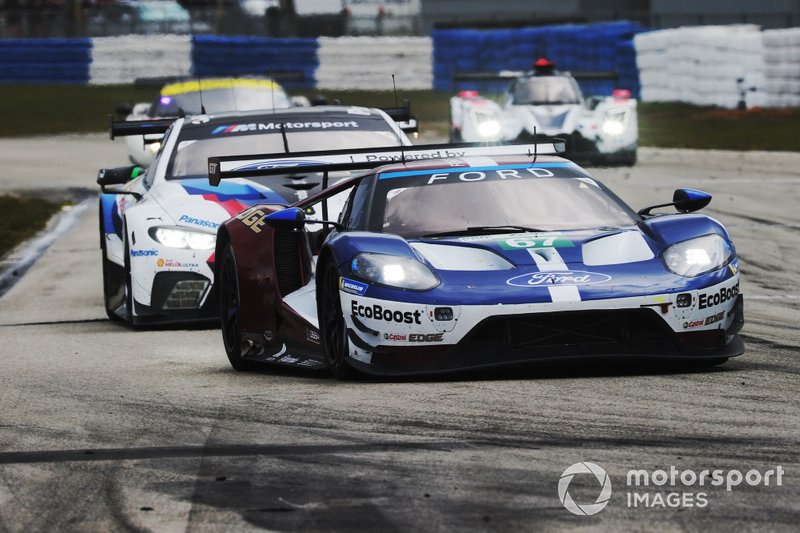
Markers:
point(229, 310)
point(333, 328)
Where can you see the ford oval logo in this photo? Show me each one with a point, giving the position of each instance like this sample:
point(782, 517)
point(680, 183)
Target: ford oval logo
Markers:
point(566, 278)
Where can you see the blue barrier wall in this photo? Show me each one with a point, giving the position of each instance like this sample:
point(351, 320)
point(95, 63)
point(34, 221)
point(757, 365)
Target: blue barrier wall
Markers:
point(231, 56)
point(45, 60)
point(595, 47)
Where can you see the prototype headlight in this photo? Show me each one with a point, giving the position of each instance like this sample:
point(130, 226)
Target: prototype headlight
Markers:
point(393, 270)
point(488, 127)
point(182, 238)
point(614, 123)
point(697, 256)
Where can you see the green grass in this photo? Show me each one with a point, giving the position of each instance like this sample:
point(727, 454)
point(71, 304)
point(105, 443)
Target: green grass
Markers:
point(21, 218)
point(676, 125)
point(45, 110)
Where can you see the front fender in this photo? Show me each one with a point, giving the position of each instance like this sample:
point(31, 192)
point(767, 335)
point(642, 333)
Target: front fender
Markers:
point(343, 247)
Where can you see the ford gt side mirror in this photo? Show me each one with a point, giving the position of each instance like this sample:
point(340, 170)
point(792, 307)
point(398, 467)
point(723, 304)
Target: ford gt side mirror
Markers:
point(684, 200)
point(689, 200)
point(292, 218)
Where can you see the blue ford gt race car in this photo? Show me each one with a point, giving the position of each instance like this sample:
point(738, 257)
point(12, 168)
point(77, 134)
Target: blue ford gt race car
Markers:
point(455, 257)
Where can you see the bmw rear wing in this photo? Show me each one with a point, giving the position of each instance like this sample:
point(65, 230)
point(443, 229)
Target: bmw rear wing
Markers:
point(125, 128)
point(275, 164)
point(403, 117)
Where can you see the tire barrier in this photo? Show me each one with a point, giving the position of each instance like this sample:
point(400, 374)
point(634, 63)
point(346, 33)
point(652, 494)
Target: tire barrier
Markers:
point(45, 60)
point(593, 47)
point(265, 56)
point(782, 67)
point(703, 65)
point(128, 57)
point(369, 62)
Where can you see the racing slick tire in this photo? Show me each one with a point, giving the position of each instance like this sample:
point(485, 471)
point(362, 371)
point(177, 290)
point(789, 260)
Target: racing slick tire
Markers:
point(333, 328)
point(230, 311)
point(127, 276)
point(108, 281)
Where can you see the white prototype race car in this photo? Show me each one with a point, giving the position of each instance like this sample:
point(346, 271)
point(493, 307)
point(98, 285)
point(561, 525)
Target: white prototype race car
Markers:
point(548, 102)
point(158, 227)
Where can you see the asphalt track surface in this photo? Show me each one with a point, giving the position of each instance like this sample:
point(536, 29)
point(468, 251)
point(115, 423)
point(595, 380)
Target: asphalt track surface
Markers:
point(103, 428)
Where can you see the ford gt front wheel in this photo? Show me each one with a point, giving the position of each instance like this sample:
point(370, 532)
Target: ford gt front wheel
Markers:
point(229, 310)
point(333, 328)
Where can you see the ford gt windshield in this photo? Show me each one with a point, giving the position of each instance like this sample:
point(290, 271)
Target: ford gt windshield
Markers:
point(463, 202)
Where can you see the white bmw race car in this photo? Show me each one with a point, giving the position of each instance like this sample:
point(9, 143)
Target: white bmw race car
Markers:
point(548, 102)
point(158, 227)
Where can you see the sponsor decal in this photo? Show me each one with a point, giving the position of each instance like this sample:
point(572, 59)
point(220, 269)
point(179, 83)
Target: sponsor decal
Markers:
point(426, 337)
point(198, 222)
point(715, 318)
point(288, 359)
point(541, 242)
point(282, 163)
point(693, 324)
point(378, 312)
point(567, 278)
point(418, 156)
point(352, 286)
point(287, 125)
point(252, 218)
point(312, 335)
point(414, 337)
point(171, 263)
point(723, 295)
point(480, 175)
point(144, 253)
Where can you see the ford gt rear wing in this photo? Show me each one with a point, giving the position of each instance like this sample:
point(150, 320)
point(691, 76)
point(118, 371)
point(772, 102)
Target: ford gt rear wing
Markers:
point(125, 128)
point(247, 166)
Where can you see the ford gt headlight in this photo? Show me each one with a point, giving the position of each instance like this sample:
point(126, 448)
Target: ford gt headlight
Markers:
point(173, 237)
point(697, 256)
point(394, 271)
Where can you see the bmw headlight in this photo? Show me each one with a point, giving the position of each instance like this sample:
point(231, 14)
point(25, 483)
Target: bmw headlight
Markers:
point(393, 270)
point(174, 237)
point(697, 256)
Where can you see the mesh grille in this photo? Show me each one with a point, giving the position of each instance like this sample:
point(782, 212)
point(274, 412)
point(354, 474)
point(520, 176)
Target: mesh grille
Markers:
point(287, 261)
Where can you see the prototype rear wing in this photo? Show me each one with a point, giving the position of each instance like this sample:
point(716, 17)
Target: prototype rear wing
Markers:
point(247, 166)
point(125, 128)
point(510, 75)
